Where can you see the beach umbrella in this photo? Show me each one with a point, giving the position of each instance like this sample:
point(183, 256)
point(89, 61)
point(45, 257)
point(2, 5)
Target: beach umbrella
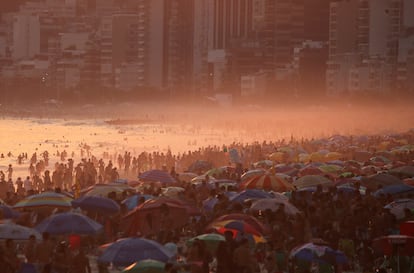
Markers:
point(252, 173)
point(267, 182)
point(310, 170)
point(381, 160)
point(401, 245)
point(121, 181)
point(215, 172)
point(330, 168)
point(318, 253)
point(157, 176)
point(8, 212)
point(273, 204)
point(381, 179)
point(395, 190)
point(132, 201)
point(45, 200)
point(226, 183)
point(394, 245)
point(251, 220)
point(172, 191)
point(104, 189)
point(209, 203)
point(69, 223)
point(10, 230)
point(407, 171)
point(398, 206)
point(250, 194)
point(200, 166)
point(126, 251)
point(312, 180)
point(236, 226)
point(278, 156)
point(407, 228)
point(333, 156)
point(156, 214)
point(97, 204)
point(211, 240)
point(186, 177)
point(266, 163)
point(145, 266)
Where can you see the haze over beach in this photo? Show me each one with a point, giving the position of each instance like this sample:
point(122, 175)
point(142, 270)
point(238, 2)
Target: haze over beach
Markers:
point(158, 127)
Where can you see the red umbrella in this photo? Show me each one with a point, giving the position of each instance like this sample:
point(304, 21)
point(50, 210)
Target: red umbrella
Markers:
point(267, 182)
point(156, 214)
point(400, 245)
point(407, 228)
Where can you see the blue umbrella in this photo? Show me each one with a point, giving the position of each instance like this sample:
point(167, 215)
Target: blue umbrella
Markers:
point(126, 251)
point(394, 189)
point(208, 204)
point(157, 176)
point(132, 201)
point(323, 254)
point(8, 212)
point(250, 194)
point(96, 204)
point(69, 223)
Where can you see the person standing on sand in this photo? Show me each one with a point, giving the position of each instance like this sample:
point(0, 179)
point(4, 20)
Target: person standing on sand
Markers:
point(10, 172)
point(27, 184)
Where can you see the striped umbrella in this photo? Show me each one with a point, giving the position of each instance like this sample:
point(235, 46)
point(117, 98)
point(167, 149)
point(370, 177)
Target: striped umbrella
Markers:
point(249, 174)
point(45, 200)
point(267, 182)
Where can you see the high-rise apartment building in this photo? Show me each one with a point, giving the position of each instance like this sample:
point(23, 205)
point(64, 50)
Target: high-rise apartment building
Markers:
point(26, 36)
point(232, 20)
point(363, 45)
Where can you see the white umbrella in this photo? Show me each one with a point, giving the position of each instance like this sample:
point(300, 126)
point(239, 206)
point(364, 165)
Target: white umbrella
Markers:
point(273, 204)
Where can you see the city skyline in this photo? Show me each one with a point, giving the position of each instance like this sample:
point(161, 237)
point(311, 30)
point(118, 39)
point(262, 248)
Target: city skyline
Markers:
point(241, 48)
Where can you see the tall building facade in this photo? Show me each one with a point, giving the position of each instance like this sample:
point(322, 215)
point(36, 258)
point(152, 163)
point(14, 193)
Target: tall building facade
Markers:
point(26, 36)
point(364, 45)
point(232, 20)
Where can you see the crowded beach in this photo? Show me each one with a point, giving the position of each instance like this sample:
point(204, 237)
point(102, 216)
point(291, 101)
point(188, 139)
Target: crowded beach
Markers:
point(343, 203)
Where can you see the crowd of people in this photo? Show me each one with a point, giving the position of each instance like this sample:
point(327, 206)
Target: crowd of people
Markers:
point(348, 221)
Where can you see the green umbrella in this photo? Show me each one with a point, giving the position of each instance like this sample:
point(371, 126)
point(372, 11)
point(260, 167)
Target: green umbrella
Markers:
point(145, 266)
point(211, 240)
